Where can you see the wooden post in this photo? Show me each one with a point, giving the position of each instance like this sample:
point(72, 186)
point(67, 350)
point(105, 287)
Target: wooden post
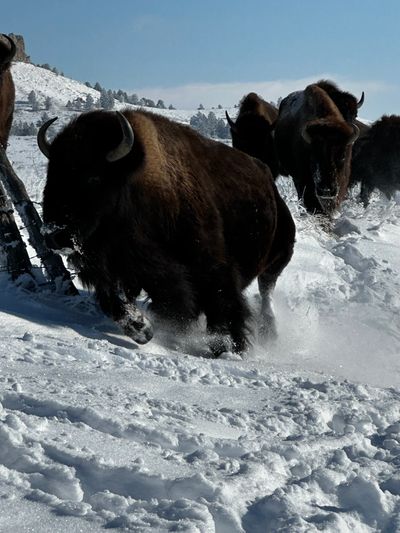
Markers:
point(16, 255)
point(52, 262)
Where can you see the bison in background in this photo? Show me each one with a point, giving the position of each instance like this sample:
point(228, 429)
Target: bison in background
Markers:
point(344, 101)
point(376, 158)
point(314, 142)
point(7, 89)
point(252, 132)
point(141, 202)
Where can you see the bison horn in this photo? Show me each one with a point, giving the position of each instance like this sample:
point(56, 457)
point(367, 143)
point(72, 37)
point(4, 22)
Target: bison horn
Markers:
point(230, 121)
point(125, 146)
point(12, 50)
point(43, 143)
point(361, 101)
point(356, 133)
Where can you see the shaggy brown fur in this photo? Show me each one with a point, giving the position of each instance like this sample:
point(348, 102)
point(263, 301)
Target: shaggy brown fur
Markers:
point(376, 158)
point(252, 132)
point(7, 90)
point(313, 143)
point(344, 101)
point(188, 219)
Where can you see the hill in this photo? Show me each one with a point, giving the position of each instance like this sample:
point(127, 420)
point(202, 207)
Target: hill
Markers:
point(302, 435)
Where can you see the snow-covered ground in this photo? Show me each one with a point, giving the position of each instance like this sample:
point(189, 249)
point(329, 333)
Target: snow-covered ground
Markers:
point(299, 436)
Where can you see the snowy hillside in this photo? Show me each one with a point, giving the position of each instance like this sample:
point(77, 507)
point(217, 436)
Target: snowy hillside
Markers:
point(300, 436)
point(60, 89)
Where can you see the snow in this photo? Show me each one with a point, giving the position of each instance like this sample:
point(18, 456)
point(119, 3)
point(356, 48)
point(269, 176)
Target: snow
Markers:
point(303, 435)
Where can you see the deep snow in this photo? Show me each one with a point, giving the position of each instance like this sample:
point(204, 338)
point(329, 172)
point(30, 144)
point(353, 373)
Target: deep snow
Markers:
point(303, 435)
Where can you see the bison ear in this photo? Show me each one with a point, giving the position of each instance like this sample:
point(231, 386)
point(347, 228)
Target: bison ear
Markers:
point(125, 146)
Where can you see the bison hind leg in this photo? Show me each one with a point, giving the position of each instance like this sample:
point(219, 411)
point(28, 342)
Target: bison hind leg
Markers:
point(279, 256)
point(226, 311)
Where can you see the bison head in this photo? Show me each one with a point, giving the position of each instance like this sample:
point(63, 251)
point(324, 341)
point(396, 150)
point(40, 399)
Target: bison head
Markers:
point(329, 148)
point(7, 53)
point(85, 161)
point(253, 135)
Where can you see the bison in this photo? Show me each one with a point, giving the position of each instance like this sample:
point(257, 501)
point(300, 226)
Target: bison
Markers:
point(313, 142)
point(141, 202)
point(7, 89)
point(344, 101)
point(376, 159)
point(252, 132)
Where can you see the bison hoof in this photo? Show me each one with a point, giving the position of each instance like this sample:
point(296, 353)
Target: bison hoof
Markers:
point(136, 326)
point(220, 344)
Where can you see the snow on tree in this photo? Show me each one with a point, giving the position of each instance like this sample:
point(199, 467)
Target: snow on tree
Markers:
point(89, 103)
point(48, 103)
point(32, 99)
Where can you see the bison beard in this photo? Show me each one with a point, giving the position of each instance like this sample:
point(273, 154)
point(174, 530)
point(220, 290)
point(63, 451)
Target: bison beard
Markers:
point(146, 203)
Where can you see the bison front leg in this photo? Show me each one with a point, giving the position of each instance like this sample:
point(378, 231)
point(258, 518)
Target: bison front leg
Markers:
point(127, 316)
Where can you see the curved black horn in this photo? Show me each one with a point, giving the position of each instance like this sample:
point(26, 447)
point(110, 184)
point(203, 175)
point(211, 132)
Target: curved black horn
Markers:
point(125, 146)
point(12, 50)
point(356, 133)
point(361, 101)
point(230, 121)
point(43, 143)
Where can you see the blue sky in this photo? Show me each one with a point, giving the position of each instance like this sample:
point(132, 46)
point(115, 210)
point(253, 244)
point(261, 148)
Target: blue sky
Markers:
point(214, 51)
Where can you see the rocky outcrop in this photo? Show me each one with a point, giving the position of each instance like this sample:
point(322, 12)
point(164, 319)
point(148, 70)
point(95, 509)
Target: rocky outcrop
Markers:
point(20, 43)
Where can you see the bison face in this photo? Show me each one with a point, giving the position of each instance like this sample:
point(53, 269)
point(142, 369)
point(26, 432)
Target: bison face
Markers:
point(253, 135)
point(86, 167)
point(329, 148)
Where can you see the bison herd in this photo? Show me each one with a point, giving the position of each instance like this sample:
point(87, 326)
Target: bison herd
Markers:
point(139, 202)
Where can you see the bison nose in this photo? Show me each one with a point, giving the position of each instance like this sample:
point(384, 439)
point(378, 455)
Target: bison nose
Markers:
point(57, 240)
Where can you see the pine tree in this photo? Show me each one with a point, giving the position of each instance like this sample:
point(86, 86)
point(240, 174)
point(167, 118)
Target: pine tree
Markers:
point(133, 99)
point(44, 118)
point(106, 100)
point(48, 103)
point(33, 101)
point(89, 103)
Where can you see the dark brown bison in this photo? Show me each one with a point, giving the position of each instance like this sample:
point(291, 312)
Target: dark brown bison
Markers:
point(313, 143)
point(7, 89)
point(252, 132)
point(142, 202)
point(376, 158)
point(344, 101)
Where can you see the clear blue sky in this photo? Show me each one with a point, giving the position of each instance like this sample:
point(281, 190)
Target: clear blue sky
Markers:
point(230, 45)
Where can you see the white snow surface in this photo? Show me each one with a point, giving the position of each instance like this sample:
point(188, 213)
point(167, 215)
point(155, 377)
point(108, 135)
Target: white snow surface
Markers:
point(299, 436)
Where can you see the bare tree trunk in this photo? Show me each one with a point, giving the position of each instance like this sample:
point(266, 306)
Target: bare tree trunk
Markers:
point(52, 262)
